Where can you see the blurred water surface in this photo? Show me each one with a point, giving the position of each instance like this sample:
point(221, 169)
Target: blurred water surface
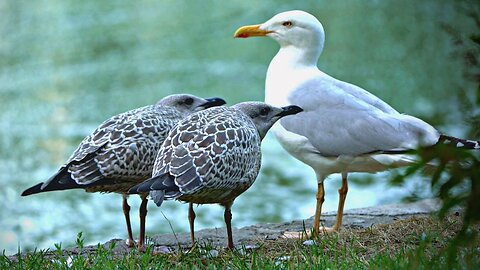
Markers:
point(65, 66)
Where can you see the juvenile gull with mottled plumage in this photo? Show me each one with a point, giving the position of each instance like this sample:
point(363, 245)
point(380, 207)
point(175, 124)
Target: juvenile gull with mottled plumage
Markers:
point(212, 156)
point(121, 152)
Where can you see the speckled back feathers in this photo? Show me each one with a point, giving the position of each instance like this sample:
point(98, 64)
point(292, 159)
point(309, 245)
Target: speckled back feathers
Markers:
point(124, 146)
point(213, 155)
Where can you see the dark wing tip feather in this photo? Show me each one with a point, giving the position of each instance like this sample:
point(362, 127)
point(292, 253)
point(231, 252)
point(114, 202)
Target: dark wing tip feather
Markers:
point(142, 187)
point(163, 182)
point(458, 142)
point(62, 180)
point(33, 190)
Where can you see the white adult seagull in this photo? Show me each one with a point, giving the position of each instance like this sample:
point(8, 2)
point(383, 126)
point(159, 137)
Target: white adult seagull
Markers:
point(343, 127)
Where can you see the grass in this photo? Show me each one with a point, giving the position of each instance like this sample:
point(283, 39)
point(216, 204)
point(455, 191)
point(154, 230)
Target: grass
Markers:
point(66, 66)
point(416, 243)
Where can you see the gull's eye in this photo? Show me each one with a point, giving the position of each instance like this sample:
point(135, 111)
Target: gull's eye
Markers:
point(189, 101)
point(287, 24)
point(264, 111)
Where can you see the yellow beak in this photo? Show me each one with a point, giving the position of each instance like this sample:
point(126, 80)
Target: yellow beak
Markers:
point(250, 31)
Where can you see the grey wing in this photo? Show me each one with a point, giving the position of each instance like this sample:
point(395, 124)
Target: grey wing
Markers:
point(337, 123)
point(327, 82)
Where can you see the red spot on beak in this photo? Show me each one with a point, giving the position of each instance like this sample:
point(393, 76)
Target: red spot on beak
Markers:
point(245, 35)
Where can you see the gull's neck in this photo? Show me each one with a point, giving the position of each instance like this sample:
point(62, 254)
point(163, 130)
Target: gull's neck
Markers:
point(287, 70)
point(300, 57)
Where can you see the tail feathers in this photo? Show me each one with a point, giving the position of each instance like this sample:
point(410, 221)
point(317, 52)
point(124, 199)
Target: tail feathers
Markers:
point(163, 182)
point(33, 190)
point(157, 187)
point(142, 187)
point(60, 181)
point(460, 143)
point(444, 139)
point(158, 196)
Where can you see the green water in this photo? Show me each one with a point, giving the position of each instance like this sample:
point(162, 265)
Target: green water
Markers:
point(65, 66)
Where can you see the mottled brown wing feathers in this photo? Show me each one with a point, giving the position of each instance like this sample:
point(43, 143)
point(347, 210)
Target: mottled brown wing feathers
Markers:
point(124, 146)
point(204, 152)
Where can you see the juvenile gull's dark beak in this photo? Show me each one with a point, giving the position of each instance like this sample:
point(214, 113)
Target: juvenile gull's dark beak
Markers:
point(213, 102)
point(289, 110)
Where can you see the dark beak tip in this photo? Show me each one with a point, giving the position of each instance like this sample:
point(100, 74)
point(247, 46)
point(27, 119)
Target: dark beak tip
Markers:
point(216, 101)
point(292, 109)
point(297, 109)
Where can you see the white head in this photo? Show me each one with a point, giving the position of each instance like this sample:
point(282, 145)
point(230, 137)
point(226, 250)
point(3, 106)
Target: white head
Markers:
point(296, 28)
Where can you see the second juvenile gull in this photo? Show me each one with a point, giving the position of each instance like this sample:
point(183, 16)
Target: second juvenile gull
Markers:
point(213, 156)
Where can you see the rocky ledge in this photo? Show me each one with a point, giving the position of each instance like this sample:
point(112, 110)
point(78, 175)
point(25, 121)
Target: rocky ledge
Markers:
point(353, 219)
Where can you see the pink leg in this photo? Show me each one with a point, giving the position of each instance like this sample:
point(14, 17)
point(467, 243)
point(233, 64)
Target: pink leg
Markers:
point(227, 215)
point(126, 212)
point(191, 220)
point(143, 216)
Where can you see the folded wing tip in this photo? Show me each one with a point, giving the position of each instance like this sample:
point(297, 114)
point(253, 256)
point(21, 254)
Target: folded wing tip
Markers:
point(134, 189)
